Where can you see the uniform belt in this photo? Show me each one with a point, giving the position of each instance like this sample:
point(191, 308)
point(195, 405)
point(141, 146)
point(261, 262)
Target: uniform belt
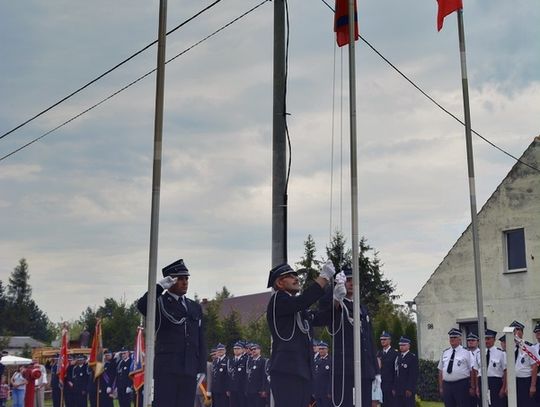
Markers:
point(456, 381)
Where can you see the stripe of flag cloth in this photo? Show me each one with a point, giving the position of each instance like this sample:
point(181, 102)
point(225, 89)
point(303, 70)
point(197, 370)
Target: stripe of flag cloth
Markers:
point(341, 22)
point(63, 361)
point(447, 7)
point(96, 353)
point(136, 371)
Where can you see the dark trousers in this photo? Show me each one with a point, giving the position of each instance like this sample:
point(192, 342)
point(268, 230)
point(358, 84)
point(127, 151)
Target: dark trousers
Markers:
point(255, 400)
point(174, 390)
point(124, 399)
point(388, 398)
point(81, 399)
point(402, 401)
point(456, 394)
point(237, 399)
point(494, 385)
point(220, 400)
point(105, 400)
point(523, 385)
point(324, 402)
point(56, 395)
point(290, 390)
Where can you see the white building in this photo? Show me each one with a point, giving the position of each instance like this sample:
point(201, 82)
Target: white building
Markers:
point(509, 235)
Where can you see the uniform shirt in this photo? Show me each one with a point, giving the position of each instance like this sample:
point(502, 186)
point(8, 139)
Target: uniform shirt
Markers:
point(523, 364)
point(497, 362)
point(536, 347)
point(463, 363)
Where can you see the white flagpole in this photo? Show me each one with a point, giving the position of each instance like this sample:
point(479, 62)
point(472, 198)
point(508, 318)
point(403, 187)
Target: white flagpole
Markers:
point(354, 209)
point(472, 197)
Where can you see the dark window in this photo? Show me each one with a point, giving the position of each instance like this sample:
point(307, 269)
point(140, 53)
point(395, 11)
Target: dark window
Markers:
point(515, 250)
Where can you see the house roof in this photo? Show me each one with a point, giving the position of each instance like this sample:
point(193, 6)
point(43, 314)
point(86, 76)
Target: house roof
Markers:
point(16, 342)
point(249, 307)
point(522, 167)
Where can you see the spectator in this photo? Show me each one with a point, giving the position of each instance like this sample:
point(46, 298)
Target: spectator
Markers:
point(18, 383)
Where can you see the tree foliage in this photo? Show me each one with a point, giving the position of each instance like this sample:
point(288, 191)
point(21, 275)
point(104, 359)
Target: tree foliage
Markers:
point(19, 313)
point(309, 265)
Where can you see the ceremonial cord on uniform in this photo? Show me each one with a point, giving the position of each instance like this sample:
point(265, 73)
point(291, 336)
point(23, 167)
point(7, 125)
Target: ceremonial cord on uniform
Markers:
point(297, 320)
point(170, 317)
point(333, 334)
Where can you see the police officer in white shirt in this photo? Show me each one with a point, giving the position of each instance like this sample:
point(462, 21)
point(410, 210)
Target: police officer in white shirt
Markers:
point(495, 360)
point(537, 348)
point(457, 377)
point(472, 346)
point(526, 370)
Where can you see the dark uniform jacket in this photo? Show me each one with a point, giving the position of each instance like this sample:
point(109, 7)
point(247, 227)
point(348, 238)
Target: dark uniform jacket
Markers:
point(322, 380)
point(237, 374)
point(292, 351)
point(180, 347)
point(388, 368)
point(406, 373)
point(369, 354)
point(123, 381)
point(256, 376)
point(108, 377)
point(220, 375)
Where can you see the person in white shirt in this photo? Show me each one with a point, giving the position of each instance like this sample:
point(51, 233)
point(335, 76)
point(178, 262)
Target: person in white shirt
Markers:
point(495, 360)
point(526, 370)
point(537, 348)
point(457, 377)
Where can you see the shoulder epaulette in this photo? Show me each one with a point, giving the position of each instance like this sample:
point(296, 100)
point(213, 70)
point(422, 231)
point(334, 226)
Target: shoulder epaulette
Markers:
point(500, 349)
point(447, 349)
point(528, 343)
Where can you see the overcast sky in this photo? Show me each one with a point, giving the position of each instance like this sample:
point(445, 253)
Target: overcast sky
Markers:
point(76, 204)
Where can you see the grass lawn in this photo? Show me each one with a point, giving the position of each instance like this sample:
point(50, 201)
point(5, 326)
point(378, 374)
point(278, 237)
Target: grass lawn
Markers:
point(431, 404)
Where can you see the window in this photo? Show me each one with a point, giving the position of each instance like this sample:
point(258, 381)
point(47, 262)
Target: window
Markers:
point(514, 241)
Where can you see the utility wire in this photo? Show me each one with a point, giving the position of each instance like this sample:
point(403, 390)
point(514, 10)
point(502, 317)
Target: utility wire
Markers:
point(108, 71)
point(435, 102)
point(133, 82)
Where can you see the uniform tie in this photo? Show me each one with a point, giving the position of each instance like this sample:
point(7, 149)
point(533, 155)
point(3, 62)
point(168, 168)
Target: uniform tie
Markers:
point(451, 363)
point(182, 301)
point(487, 358)
point(516, 353)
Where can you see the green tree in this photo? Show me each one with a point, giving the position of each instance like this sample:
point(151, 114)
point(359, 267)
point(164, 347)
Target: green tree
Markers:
point(19, 289)
point(309, 265)
point(120, 322)
point(232, 329)
point(212, 323)
point(257, 331)
point(337, 251)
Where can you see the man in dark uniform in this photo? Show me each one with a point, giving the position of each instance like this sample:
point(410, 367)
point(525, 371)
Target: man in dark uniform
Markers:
point(69, 395)
point(237, 376)
point(256, 382)
point(55, 383)
point(180, 347)
point(220, 378)
point(322, 377)
point(344, 355)
point(107, 381)
point(123, 381)
point(406, 375)
point(80, 382)
point(387, 355)
point(292, 356)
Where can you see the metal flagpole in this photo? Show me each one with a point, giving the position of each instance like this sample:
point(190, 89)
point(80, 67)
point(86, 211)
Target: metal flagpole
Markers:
point(354, 210)
point(154, 224)
point(474, 220)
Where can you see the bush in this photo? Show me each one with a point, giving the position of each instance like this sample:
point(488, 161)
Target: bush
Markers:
point(428, 387)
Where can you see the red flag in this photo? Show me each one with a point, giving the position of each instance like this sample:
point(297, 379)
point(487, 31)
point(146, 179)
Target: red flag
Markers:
point(137, 363)
point(447, 7)
point(63, 361)
point(96, 353)
point(341, 22)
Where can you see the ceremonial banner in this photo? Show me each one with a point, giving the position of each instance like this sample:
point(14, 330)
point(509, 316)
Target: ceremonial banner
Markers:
point(63, 361)
point(96, 353)
point(136, 371)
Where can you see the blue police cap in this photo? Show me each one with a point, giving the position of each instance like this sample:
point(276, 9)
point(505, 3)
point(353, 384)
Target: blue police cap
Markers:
point(279, 271)
point(404, 341)
point(213, 350)
point(517, 325)
point(385, 335)
point(107, 351)
point(255, 346)
point(347, 270)
point(502, 338)
point(472, 336)
point(537, 327)
point(490, 333)
point(176, 269)
point(323, 344)
point(238, 344)
point(454, 333)
point(220, 346)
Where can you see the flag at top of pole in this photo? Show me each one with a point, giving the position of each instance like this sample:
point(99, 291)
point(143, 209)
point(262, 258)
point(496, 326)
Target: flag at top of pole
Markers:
point(63, 361)
point(96, 353)
point(341, 22)
point(447, 7)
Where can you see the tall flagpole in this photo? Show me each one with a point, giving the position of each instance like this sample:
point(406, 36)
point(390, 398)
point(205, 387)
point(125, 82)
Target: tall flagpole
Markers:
point(354, 209)
point(472, 196)
point(154, 224)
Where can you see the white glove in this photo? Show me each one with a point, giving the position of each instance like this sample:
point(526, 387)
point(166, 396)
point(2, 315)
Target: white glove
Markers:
point(209, 393)
point(327, 271)
point(109, 390)
point(200, 377)
point(378, 379)
point(128, 390)
point(167, 282)
point(340, 277)
point(339, 292)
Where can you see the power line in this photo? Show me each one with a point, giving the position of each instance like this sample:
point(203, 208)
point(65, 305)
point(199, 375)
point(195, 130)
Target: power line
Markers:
point(107, 72)
point(435, 102)
point(131, 83)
